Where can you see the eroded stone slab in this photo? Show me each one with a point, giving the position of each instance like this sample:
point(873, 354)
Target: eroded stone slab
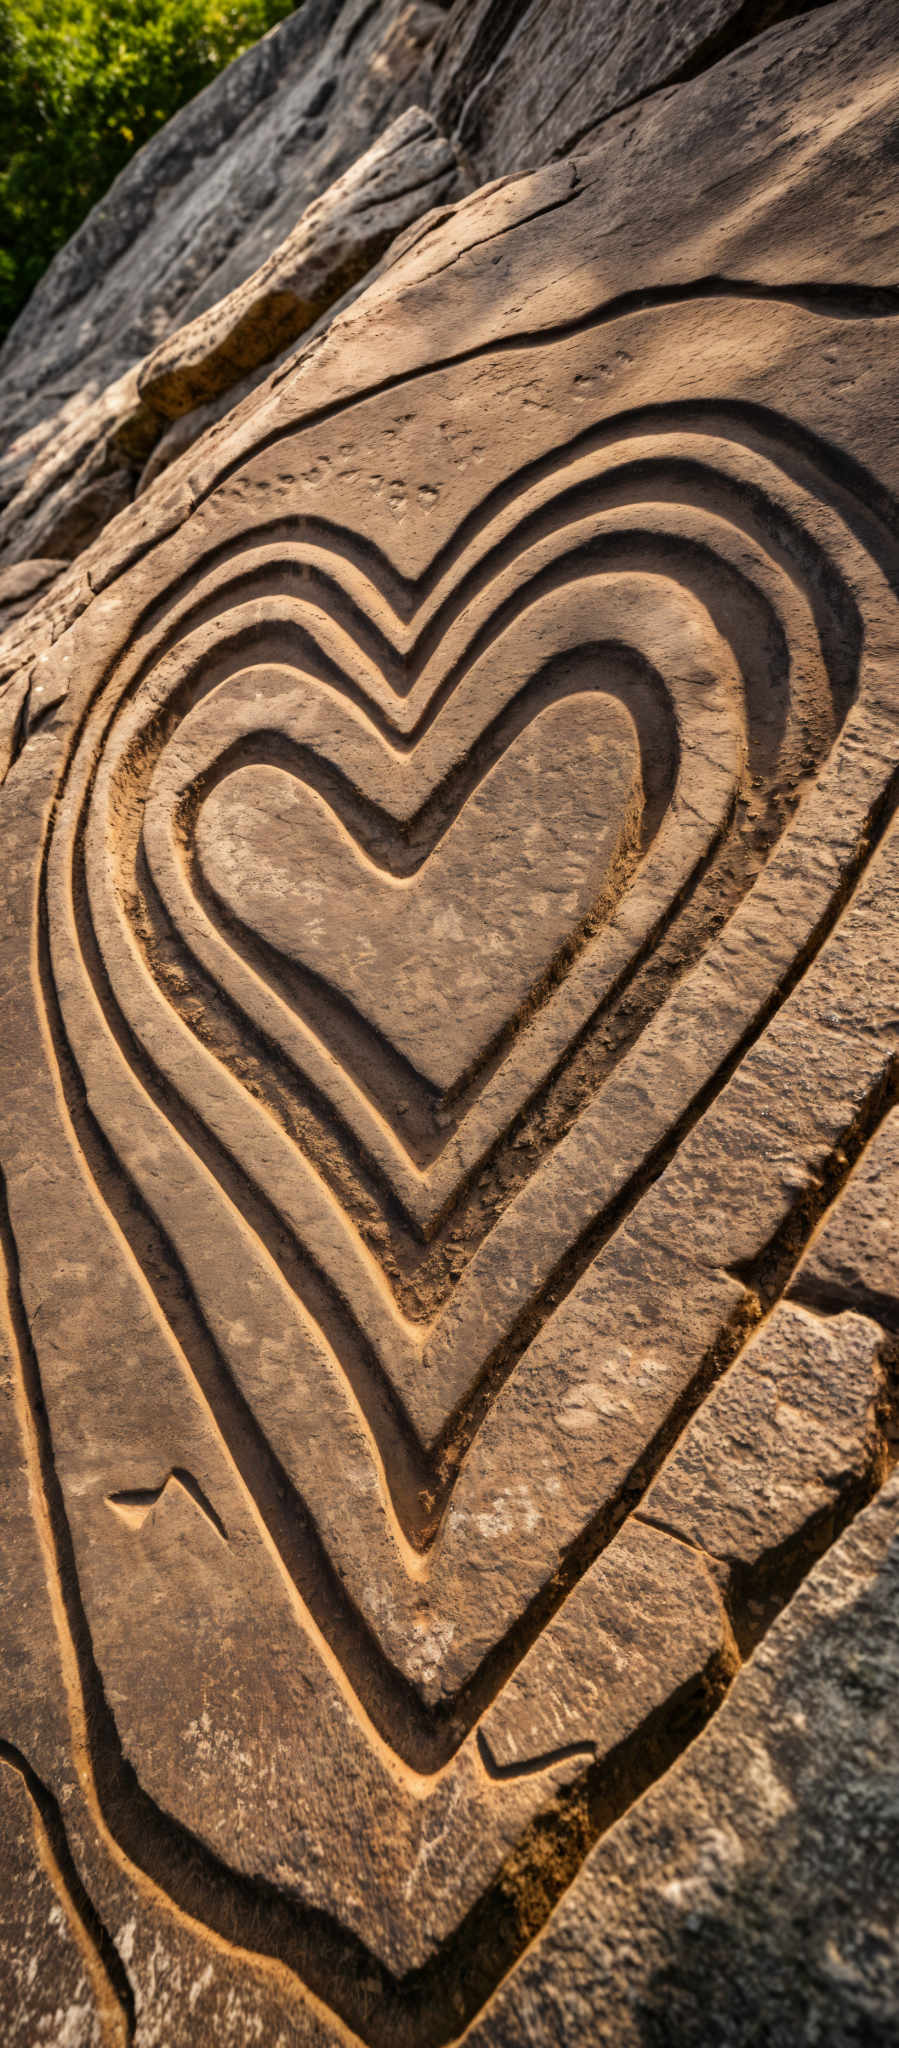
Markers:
point(443, 865)
point(792, 1429)
point(407, 171)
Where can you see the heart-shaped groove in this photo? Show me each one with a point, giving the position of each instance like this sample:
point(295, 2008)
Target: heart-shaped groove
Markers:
point(216, 1166)
point(425, 1204)
point(437, 962)
point(390, 1340)
point(484, 1123)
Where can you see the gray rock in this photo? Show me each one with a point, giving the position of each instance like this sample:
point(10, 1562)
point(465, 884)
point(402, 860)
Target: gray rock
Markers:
point(189, 219)
point(410, 170)
point(99, 454)
point(518, 85)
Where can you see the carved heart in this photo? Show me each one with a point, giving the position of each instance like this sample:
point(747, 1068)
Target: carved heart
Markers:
point(556, 757)
point(577, 623)
point(440, 960)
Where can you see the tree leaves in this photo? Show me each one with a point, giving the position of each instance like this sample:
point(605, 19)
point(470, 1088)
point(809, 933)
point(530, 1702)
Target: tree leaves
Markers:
point(83, 83)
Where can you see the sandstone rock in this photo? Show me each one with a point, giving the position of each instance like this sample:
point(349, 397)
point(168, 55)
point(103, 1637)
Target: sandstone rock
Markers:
point(517, 85)
point(194, 214)
point(65, 486)
point(449, 824)
point(407, 172)
point(789, 1435)
point(53, 1968)
point(181, 433)
point(217, 189)
point(853, 1259)
point(21, 584)
point(98, 456)
point(231, 177)
point(752, 1896)
point(644, 1589)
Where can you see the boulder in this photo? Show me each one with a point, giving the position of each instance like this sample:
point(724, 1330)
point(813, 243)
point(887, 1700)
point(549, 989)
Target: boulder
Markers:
point(449, 970)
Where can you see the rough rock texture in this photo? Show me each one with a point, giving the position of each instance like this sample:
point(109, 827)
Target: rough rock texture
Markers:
point(407, 172)
point(234, 223)
point(449, 972)
point(519, 84)
point(90, 470)
point(216, 191)
point(753, 1896)
point(195, 213)
point(21, 584)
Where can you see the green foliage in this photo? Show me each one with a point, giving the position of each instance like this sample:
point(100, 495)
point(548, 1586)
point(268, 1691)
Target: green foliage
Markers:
point(82, 84)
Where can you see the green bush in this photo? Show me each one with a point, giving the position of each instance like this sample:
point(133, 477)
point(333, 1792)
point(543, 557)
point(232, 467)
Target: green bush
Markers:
point(82, 84)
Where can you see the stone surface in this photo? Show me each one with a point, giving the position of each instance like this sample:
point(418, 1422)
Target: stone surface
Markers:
point(790, 1434)
point(256, 166)
point(752, 1897)
point(448, 1136)
point(22, 583)
point(92, 466)
point(113, 447)
point(196, 213)
point(55, 1985)
point(519, 84)
point(408, 171)
point(217, 189)
point(853, 1258)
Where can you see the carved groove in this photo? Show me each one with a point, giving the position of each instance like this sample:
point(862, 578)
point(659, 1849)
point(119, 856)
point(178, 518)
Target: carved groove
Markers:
point(372, 1171)
point(116, 1992)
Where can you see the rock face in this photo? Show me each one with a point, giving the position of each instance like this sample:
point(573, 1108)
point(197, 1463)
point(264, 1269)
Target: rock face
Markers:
point(199, 210)
point(111, 446)
point(214, 193)
point(408, 171)
point(449, 971)
point(517, 84)
point(236, 223)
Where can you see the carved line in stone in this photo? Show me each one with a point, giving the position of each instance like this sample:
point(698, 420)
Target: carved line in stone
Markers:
point(581, 1551)
point(823, 300)
point(108, 1979)
point(449, 1987)
point(369, 1320)
point(220, 955)
point(392, 1162)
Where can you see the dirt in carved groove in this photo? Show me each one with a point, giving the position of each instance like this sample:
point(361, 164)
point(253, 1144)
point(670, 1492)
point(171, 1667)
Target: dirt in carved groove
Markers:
point(450, 1154)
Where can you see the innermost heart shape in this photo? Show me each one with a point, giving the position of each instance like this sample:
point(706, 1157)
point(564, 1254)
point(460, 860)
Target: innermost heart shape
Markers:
point(439, 961)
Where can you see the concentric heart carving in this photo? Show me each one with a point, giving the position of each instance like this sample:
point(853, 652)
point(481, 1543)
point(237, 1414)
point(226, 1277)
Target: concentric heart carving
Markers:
point(403, 926)
point(569, 622)
point(440, 961)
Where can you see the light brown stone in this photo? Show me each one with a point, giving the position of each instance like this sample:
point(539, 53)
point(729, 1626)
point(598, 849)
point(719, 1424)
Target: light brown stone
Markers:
point(54, 1978)
point(409, 170)
point(448, 826)
point(853, 1257)
point(789, 1437)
